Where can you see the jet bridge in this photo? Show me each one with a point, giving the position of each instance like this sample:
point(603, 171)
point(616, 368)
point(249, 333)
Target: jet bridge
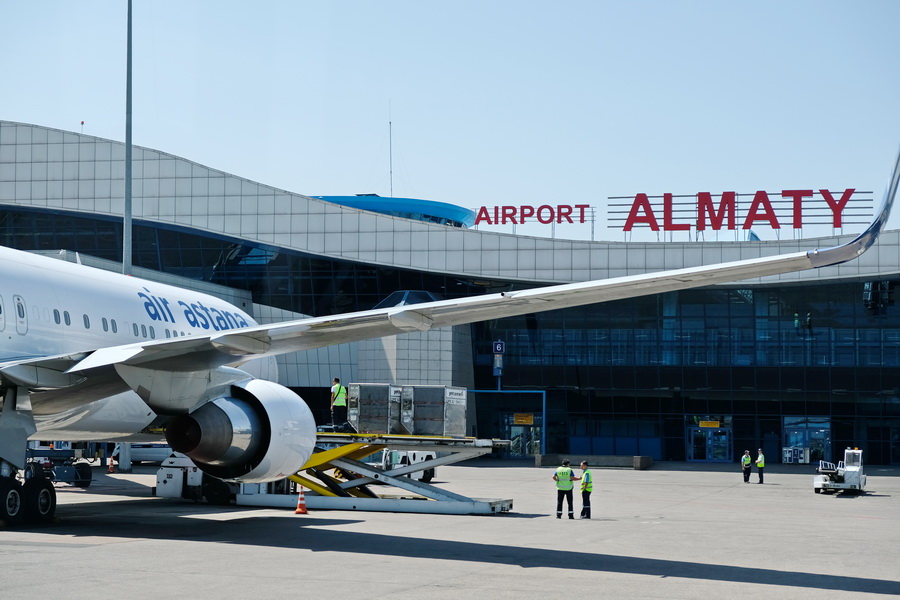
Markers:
point(337, 477)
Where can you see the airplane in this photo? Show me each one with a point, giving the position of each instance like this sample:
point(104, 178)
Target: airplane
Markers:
point(90, 355)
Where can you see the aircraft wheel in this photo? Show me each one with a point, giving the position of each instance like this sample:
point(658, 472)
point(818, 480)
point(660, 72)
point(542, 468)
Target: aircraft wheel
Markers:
point(83, 472)
point(38, 500)
point(10, 500)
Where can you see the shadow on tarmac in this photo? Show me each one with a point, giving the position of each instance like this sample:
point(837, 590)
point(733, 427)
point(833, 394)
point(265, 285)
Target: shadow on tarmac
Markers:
point(178, 522)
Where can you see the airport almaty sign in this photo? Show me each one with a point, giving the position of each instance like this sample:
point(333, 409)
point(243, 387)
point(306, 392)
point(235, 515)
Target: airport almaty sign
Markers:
point(701, 211)
point(731, 210)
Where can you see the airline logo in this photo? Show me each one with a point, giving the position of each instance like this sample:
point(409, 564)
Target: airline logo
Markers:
point(190, 314)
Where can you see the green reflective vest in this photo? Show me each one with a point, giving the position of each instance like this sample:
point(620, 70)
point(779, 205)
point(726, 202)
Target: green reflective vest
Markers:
point(340, 396)
point(587, 481)
point(746, 460)
point(564, 478)
point(761, 460)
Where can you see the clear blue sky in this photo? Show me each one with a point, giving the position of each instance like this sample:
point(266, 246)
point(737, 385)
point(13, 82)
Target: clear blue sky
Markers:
point(514, 102)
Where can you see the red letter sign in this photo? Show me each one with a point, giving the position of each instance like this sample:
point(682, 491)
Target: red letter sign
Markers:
point(761, 199)
point(837, 208)
point(705, 207)
point(643, 203)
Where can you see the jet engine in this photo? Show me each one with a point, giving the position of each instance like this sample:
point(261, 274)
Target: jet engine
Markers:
point(261, 432)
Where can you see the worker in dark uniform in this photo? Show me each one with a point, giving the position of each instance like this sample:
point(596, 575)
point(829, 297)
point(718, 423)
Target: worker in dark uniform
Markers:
point(587, 486)
point(565, 482)
point(760, 464)
point(746, 465)
point(338, 403)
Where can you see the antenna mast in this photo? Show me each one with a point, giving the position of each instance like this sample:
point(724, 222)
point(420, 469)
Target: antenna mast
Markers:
point(391, 153)
point(126, 221)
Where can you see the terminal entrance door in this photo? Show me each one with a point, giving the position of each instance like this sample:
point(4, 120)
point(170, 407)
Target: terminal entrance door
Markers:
point(709, 444)
point(524, 438)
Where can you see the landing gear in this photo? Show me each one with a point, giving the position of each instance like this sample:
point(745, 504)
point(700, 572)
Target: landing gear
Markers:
point(38, 500)
point(10, 501)
point(33, 502)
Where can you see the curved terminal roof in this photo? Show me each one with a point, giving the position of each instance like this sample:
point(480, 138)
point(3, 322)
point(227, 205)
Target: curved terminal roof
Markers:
point(50, 169)
point(408, 208)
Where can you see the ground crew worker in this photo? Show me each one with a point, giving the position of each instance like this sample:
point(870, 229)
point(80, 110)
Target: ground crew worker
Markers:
point(760, 464)
point(338, 403)
point(587, 486)
point(564, 478)
point(746, 465)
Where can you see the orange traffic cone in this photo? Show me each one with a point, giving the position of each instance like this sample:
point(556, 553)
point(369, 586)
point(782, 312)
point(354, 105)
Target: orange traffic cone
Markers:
point(301, 503)
point(112, 466)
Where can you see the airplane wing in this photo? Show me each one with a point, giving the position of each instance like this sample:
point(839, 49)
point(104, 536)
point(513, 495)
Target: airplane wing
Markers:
point(233, 347)
point(236, 346)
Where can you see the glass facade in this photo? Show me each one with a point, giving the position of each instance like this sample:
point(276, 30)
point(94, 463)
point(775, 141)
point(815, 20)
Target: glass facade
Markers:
point(293, 281)
point(705, 374)
point(692, 375)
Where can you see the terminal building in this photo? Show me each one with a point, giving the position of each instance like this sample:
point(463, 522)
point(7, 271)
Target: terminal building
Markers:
point(801, 365)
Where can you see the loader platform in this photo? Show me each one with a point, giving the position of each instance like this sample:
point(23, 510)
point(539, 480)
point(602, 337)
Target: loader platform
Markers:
point(336, 477)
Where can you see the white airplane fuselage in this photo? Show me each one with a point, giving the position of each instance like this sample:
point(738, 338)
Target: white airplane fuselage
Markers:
point(50, 307)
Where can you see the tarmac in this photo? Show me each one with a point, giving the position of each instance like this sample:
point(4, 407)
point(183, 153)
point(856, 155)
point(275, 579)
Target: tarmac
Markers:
point(677, 530)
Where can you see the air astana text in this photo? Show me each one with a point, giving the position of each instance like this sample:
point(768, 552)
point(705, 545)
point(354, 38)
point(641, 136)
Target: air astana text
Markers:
point(725, 215)
point(195, 314)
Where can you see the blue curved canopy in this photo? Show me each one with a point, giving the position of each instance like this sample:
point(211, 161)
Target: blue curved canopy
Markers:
point(409, 208)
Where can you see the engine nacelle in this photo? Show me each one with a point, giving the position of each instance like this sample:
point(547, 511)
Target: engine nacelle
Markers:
point(261, 432)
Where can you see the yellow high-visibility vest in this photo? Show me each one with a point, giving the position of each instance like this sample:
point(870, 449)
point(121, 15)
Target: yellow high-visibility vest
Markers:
point(564, 478)
point(340, 396)
point(587, 481)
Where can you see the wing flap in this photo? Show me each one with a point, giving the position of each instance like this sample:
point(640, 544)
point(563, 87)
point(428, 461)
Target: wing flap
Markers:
point(37, 376)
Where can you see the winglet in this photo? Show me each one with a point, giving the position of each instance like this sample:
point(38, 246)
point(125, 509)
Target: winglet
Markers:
point(864, 241)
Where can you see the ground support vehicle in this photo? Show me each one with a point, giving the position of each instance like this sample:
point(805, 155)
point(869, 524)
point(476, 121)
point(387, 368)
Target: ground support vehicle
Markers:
point(147, 452)
point(58, 465)
point(847, 475)
point(393, 459)
point(338, 478)
point(179, 477)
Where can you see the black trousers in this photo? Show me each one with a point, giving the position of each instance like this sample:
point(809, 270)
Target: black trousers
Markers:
point(746, 474)
point(760, 470)
point(339, 415)
point(567, 494)
point(585, 504)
